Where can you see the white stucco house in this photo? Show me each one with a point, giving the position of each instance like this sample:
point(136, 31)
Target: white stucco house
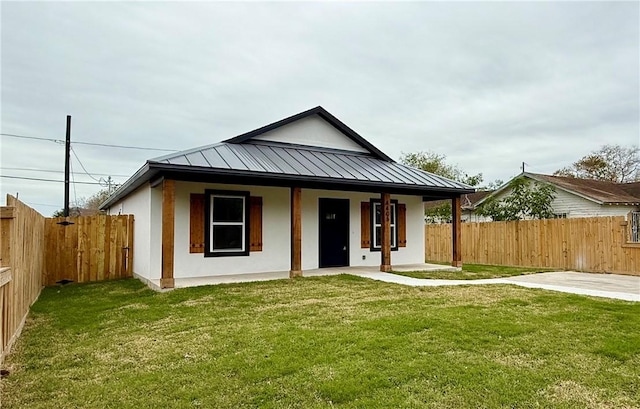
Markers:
point(303, 193)
point(581, 197)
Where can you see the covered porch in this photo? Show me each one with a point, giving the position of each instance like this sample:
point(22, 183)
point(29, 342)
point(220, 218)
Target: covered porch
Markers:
point(280, 275)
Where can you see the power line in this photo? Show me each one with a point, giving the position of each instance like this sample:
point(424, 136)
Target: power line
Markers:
point(106, 145)
point(73, 180)
point(41, 204)
point(45, 180)
point(32, 137)
point(57, 171)
point(82, 166)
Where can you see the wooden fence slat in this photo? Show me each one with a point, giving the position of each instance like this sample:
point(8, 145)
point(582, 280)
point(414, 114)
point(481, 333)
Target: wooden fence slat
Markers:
point(90, 249)
point(22, 242)
point(594, 244)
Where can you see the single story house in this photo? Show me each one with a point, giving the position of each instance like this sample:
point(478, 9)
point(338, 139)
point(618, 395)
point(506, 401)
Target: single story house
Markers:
point(582, 197)
point(305, 192)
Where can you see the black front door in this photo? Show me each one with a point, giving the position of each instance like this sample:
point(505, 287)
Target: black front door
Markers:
point(334, 232)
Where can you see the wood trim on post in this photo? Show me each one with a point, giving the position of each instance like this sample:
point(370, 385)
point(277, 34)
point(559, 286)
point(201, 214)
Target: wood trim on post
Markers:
point(196, 223)
point(365, 225)
point(296, 232)
point(401, 224)
point(456, 211)
point(168, 232)
point(255, 223)
point(385, 239)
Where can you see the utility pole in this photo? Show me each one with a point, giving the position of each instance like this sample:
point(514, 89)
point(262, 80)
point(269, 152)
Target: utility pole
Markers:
point(523, 166)
point(67, 157)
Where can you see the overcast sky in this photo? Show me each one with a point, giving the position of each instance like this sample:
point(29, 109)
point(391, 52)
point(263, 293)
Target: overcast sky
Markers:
point(489, 85)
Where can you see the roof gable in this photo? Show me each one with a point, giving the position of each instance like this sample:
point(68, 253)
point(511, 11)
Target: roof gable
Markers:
point(315, 127)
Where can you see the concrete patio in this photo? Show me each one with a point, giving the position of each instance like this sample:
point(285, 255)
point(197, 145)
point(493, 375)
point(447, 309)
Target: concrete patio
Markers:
point(279, 275)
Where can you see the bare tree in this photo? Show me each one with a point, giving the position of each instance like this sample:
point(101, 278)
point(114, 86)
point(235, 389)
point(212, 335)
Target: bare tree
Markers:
point(613, 163)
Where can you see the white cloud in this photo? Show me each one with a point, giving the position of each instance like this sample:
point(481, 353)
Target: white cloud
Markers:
point(488, 84)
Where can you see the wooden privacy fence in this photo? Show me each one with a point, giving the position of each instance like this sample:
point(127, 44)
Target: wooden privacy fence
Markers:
point(22, 232)
point(93, 248)
point(597, 244)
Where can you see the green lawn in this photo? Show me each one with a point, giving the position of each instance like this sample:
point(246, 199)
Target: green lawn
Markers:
point(322, 342)
point(473, 272)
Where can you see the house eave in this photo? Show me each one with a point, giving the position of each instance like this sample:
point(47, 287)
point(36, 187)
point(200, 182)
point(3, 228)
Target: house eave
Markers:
point(192, 173)
point(153, 170)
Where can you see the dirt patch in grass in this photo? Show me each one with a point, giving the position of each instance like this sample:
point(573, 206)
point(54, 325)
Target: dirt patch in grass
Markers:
point(571, 393)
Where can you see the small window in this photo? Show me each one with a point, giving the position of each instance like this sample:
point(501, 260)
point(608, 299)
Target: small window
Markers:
point(227, 223)
point(376, 225)
point(559, 215)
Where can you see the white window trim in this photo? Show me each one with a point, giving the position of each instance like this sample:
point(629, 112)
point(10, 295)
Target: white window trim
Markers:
point(242, 224)
point(375, 225)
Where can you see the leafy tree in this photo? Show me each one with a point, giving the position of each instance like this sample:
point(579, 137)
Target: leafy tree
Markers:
point(612, 163)
point(439, 214)
point(93, 202)
point(435, 163)
point(525, 201)
point(492, 185)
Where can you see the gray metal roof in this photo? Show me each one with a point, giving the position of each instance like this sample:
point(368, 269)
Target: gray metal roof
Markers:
point(245, 160)
point(305, 161)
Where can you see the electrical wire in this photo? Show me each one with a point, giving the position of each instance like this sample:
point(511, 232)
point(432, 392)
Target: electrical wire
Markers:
point(106, 145)
point(45, 180)
point(32, 137)
point(57, 171)
point(75, 195)
point(82, 166)
point(41, 204)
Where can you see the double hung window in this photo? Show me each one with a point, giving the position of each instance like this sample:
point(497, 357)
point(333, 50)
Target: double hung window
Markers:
point(227, 223)
point(376, 225)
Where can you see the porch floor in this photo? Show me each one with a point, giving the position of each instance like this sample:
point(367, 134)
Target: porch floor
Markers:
point(279, 275)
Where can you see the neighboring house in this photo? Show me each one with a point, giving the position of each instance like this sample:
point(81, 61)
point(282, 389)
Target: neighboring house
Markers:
point(468, 207)
point(302, 193)
point(582, 197)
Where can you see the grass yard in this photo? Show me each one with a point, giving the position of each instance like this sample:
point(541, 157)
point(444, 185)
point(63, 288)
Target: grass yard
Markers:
point(473, 272)
point(322, 342)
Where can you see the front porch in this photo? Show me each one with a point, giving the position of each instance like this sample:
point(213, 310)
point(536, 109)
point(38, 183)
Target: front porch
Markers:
point(279, 275)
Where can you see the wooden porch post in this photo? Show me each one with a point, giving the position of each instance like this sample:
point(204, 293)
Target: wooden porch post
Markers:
point(385, 239)
point(168, 231)
point(456, 212)
point(296, 232)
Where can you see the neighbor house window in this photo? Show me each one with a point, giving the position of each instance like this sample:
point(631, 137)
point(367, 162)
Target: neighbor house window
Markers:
point(376, 225)
point(635, 227)
point(559, 215)
point(227, 223)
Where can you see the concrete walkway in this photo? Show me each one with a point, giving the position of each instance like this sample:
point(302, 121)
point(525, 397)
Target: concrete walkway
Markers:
point(597, 285)
point(280, 275)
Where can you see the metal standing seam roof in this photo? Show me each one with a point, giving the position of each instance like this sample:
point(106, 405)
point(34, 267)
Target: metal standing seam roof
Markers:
point(245, 160)
point(305, 161)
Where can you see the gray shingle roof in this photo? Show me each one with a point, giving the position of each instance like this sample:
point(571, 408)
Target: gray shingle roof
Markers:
point(305, 161)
